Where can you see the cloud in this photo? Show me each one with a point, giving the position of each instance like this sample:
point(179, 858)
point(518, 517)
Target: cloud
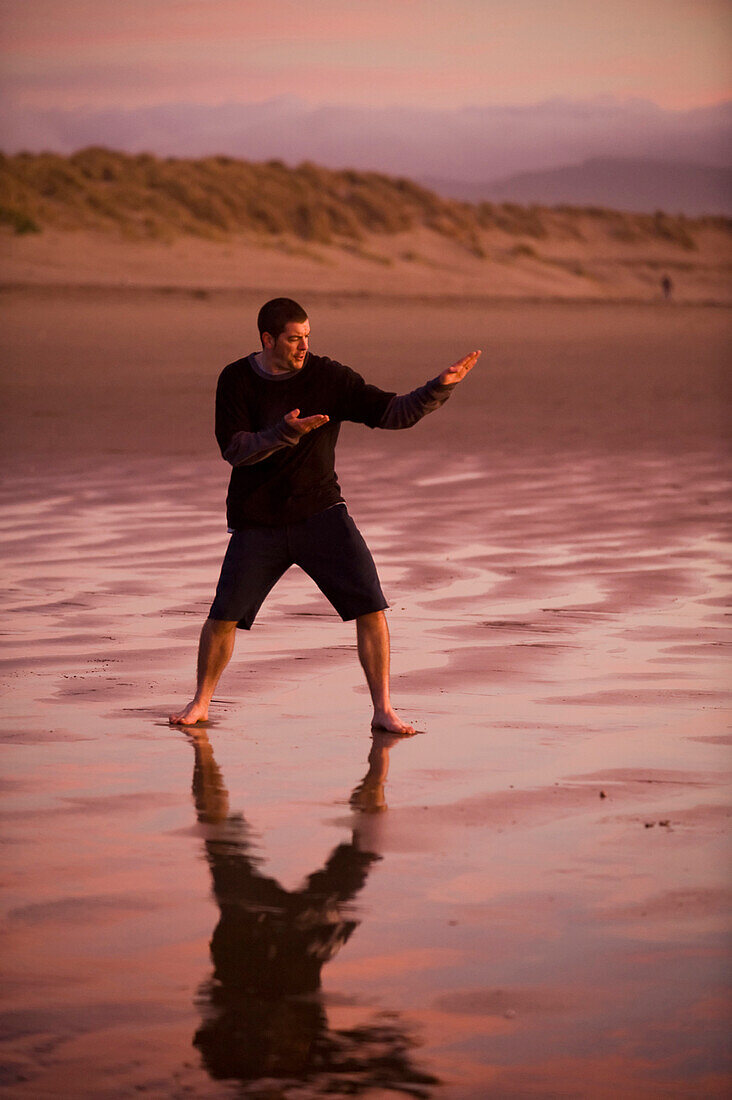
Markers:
point(471, 144)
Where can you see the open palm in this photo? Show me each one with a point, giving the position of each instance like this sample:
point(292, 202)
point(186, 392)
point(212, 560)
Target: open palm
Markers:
point(458, 370)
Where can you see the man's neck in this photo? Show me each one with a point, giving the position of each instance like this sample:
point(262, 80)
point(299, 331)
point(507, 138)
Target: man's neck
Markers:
point(268, 367)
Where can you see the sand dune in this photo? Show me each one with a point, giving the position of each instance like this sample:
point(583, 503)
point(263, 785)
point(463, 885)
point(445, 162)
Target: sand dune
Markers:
point(101, 218)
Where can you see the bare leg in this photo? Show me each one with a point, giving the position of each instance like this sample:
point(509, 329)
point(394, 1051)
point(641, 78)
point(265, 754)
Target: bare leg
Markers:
point(214, 652)
point(372, 634)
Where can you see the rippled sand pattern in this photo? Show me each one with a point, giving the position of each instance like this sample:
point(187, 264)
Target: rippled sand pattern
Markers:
point(530, 898)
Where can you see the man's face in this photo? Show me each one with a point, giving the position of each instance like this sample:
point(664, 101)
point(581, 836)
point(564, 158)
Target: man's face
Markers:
point(289, 349)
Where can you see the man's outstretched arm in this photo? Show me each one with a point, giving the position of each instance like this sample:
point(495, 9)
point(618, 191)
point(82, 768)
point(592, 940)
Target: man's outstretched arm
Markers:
point(406, 409)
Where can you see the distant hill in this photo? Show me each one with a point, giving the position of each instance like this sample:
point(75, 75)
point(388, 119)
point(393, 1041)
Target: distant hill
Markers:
point(618, 182)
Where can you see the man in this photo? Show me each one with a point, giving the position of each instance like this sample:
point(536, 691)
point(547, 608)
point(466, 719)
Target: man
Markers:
point(278, 414)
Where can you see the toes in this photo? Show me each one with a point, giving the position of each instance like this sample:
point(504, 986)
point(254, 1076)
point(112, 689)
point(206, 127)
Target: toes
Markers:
point(392, 727)
point(181, 720)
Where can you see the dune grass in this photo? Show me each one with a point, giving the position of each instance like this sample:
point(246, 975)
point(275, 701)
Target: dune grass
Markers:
point(154, 198)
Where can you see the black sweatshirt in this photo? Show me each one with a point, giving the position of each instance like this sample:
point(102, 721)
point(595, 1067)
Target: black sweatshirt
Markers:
point(279, 478)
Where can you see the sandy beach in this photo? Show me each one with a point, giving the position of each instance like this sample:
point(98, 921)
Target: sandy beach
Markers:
point(529, 898)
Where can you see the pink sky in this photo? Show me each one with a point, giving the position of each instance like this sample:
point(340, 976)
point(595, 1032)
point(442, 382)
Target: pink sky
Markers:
point(77, 53)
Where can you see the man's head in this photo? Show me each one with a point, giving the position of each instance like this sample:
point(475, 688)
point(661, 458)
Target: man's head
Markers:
point(284, 330)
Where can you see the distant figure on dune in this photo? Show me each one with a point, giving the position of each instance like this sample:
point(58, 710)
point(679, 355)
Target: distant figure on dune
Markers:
point(666, 287)
point(278, 414)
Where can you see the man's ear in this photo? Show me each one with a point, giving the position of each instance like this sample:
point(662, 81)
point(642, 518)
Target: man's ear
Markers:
point(268, 341)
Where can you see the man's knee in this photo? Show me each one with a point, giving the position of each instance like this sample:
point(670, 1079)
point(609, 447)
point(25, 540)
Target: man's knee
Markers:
point(371, 619)
point(220, 626)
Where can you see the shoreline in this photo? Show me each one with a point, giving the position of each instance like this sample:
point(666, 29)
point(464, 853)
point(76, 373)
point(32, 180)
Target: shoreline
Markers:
point(449, 300)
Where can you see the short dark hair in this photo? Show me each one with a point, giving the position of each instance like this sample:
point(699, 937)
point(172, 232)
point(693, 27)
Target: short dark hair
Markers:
point(277, 313)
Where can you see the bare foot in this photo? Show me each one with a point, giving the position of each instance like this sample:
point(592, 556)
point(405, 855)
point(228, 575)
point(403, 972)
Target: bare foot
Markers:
point(194, 712)
point(389, 722)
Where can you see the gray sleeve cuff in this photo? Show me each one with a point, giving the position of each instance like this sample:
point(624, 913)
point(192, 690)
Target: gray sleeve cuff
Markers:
point(246, 448)
point(406, 409)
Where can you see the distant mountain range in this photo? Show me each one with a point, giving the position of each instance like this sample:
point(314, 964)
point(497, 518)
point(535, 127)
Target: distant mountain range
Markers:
point(491, 147)
point(617, 182)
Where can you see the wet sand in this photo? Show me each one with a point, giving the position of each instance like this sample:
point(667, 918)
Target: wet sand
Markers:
point(534, 901)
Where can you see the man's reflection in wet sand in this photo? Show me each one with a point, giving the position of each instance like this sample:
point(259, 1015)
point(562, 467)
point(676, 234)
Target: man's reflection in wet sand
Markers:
point(263, 1016)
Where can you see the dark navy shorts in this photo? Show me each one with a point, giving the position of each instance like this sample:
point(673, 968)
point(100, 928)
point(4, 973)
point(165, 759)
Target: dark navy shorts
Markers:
point(328, 547)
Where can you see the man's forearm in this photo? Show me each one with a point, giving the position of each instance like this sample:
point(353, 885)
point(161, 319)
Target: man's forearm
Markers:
point(406, 409)
point(245, 448)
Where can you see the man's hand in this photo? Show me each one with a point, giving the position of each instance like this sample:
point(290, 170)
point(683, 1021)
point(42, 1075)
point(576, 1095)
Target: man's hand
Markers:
point(458, 370)
point(305, 424)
